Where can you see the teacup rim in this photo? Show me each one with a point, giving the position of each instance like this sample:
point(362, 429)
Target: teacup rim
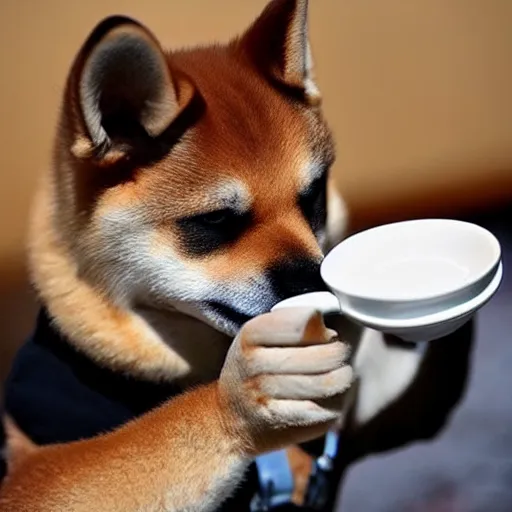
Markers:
point(492, 266)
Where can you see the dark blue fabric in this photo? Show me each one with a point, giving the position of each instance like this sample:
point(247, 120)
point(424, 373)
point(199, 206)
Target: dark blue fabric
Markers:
point(57, 394)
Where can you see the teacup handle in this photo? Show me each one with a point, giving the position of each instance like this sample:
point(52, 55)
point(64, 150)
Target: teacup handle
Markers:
point(325, 302)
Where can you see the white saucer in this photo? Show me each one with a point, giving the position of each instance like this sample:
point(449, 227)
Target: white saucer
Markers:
point(422, 328)
point(431, 326)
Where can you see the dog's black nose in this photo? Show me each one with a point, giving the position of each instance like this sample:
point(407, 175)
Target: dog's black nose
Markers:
point(295, 276)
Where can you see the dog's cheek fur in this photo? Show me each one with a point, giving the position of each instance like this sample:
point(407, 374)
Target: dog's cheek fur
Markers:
point(136, 264)
point(128, 259)
point(108, 333)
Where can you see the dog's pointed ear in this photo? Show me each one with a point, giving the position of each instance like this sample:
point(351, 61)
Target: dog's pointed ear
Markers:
point(278, 43)
point(122, 89)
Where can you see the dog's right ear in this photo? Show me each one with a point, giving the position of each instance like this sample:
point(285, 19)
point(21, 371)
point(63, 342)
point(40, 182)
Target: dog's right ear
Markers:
point(278, 43)
point(122, 90)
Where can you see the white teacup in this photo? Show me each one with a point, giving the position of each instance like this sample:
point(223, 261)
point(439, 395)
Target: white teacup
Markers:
point(419, 280)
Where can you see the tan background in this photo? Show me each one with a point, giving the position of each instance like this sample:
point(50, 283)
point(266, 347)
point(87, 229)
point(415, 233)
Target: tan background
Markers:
point(418, 93)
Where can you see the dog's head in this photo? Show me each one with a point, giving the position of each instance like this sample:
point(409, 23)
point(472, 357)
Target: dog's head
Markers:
point(198, 179)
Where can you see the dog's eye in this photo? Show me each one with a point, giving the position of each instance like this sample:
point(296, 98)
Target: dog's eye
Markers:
point(207, 232)
point(215, 218)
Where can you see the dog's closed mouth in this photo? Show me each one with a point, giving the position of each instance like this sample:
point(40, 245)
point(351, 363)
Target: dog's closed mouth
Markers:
point(229, 313)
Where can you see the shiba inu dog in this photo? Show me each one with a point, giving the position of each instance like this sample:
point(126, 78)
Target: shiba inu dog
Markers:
point(189, 193)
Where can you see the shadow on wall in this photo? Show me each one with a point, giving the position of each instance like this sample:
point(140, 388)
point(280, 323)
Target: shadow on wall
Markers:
point(439, 198)
point(18, 309)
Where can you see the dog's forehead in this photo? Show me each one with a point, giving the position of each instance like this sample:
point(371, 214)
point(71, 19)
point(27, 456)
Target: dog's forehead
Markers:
point(251, 144)
point(193, 186)
point(246, 117)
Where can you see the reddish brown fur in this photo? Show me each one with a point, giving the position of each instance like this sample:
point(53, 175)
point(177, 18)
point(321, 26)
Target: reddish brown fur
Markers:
point(153, 450)
point(301, 465)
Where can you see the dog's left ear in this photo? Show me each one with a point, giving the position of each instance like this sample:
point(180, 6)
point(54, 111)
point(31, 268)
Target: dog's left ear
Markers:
point(277, 42)
point(123, 91)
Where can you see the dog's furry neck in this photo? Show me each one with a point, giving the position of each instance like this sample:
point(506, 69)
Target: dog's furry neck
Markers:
point(140, 342)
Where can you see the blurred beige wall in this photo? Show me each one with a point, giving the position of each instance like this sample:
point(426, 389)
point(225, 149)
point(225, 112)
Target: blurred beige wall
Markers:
point(418, 94)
